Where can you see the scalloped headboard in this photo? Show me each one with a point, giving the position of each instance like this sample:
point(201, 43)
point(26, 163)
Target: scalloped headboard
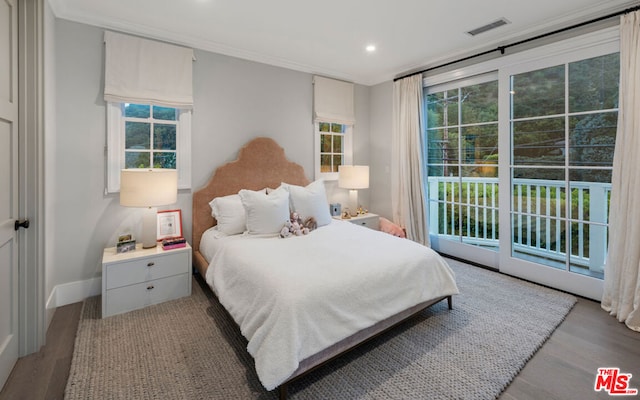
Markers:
point(261, 163)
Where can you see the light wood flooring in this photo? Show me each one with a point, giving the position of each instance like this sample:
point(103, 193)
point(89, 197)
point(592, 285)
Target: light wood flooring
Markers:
point(564, 368)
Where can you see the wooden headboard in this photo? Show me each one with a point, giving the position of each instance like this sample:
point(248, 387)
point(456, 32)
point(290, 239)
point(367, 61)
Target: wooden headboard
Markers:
point(261, 163)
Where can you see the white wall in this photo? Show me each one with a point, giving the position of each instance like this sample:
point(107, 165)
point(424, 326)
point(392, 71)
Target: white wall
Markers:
point(235, 101)
point(49, 144)
point(381, 108)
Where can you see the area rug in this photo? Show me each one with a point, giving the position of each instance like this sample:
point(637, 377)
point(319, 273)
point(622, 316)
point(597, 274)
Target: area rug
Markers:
point(191, 349)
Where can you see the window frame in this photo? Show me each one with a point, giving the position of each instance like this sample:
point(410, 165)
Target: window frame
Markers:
point(115, 147)
point(347, 154)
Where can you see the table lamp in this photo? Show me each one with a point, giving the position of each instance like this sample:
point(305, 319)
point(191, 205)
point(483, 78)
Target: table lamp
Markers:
point(148, 188)
point(353, 177)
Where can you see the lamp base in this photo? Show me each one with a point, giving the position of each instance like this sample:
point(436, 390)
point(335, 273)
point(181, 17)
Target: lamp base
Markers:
point(149, 228)
point(353, 202)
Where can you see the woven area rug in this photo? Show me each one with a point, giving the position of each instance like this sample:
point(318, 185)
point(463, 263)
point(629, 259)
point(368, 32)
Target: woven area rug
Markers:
point(190, 349)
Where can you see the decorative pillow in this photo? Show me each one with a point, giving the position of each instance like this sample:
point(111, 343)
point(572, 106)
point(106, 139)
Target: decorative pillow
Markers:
point(230, 214)
point(391, 228)
point(265, 213)
point(310, 201)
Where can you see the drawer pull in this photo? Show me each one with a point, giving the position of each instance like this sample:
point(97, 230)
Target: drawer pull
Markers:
point(150, 264)
point(150, 287)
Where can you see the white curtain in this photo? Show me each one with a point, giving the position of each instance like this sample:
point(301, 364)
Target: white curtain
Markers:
point(407, 185)
point(333, 101)
point(622, 273)
point(147, 72)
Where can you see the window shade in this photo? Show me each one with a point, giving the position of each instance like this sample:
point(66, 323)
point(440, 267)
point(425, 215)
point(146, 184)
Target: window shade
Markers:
point(147, 72)
point(333, 101)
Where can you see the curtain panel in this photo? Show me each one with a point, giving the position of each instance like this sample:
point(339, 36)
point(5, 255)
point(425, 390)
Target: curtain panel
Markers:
point(147, 72)
point(407, 184)
point(621, 297)
point(333, 101)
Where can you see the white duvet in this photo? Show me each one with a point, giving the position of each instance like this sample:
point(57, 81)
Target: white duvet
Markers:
point(297, 296)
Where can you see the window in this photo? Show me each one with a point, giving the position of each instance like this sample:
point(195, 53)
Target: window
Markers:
point(333, 148)
point(148, 136)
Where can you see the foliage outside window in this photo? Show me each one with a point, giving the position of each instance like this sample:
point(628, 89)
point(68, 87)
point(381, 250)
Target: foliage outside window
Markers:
point(150, 136)
point(333, 148)
point(147, 136)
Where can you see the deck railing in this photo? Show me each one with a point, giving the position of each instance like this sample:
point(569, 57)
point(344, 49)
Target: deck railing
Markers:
point(549, 219)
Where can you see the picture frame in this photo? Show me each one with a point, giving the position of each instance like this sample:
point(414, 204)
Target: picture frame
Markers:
point(169, 224)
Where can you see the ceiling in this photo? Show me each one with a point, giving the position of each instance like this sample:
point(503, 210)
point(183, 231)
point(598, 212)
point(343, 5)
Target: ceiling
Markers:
point(329, 37)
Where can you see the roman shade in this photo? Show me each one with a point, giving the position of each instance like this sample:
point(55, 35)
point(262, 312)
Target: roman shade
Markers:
point(145, 71)
point(333, 101)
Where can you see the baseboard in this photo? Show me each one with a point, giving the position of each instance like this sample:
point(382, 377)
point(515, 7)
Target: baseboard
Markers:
point(74, 292)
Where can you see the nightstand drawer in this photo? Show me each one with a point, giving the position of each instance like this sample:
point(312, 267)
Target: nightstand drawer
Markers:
point(146, 269)
point(372, 222)
point(140, 295)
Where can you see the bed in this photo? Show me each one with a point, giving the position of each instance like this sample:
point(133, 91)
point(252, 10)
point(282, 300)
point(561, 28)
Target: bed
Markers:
point(304, 300)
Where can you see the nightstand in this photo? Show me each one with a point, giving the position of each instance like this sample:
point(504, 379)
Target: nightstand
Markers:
point(369, 220)
point(143, 277)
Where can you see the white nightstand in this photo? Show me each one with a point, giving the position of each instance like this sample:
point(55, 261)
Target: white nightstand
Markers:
point(370, 220)
point(143, 277)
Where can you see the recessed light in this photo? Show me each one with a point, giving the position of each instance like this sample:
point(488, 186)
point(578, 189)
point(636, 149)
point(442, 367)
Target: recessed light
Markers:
point(370, 48)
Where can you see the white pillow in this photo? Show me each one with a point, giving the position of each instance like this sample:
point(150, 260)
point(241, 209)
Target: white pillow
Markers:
point(230, 214)
point(310, 201)
point(266, 214)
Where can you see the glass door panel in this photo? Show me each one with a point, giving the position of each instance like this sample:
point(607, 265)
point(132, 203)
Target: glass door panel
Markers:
point(462, 169)
point(562, 126)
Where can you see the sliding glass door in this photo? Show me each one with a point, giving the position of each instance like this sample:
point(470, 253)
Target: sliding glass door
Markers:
point(519, 162)
point(561, 127)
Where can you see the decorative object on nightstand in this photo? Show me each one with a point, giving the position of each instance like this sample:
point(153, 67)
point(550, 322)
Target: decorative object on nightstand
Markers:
point(353, 177)
point(169, 225)
point(144, 277)
point(148, 188)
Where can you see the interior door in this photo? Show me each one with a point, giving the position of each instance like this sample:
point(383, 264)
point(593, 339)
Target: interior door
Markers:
point(8, 187)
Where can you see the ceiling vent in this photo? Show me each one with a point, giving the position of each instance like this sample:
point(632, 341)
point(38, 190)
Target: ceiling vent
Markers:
point(488, 27)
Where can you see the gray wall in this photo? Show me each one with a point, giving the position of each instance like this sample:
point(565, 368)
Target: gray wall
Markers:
point(235, 101)
point(381, 108)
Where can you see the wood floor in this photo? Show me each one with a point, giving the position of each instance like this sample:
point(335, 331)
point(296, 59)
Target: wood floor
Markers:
point(564, 368)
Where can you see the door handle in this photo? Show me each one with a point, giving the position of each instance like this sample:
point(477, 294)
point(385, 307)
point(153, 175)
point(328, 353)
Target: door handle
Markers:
point(21, 223)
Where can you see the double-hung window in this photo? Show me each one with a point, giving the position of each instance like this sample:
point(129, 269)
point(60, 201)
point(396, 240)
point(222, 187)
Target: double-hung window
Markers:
point(148, 136)
point(333, 148)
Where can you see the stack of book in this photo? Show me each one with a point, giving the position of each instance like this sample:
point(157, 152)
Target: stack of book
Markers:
point(173, 243)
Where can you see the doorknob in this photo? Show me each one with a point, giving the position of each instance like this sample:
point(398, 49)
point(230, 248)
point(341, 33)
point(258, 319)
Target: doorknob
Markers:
point(21, 223)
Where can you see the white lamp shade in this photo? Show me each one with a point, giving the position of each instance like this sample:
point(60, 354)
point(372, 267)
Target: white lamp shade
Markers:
point(353, 176)
point(148, 187)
